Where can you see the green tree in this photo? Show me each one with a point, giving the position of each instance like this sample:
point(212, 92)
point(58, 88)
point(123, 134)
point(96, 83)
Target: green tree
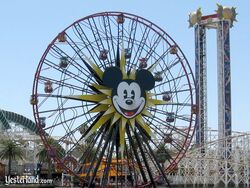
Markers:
point(162, 153)
point(11, 150)
point(45, 156)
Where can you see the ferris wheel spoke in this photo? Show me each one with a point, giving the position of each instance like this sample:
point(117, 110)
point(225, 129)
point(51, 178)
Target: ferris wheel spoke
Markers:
point(181, 107)
point(56, 109)
point(68, 130)
point(89, 147)
point(153, 47)
point(87, 98)
point(136, 154)
point(156, 130)
point(183, 118)
point(98, 122)
point(178, 146)
point(131, 37)
point(109, 34)
point(98, 38)
point(179, 85)
point(62, 83)
point(65, 121)
point(169, 126)
point(179, 91)
point(131, 33)
point(92, 70)
point(151, 151)
point(88, 44)
point(154, 127)
point(140, 46)
point(172, 80)
point(102, 151)
point(68, 73)
point(174, 63)
point(95, 161)
point(144, 158)
point(74, 63)
point(161, 56)
point(76, 129)
point(109, 40)
point(96, 34)
point(167, 69)
point(176, 86)
point(168, 66)
point(109, 156)
point(129, 162)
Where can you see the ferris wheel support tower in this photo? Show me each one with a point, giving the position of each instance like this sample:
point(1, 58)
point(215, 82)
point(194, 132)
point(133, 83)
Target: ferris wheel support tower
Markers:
point(222, 21)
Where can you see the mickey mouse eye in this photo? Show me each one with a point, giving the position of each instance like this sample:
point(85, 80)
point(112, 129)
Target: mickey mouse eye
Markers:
point(125, 94)
point(133, 94)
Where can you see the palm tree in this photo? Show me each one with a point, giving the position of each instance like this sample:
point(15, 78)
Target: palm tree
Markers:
point(45, 156)
point(11, 150)
point(162, 153)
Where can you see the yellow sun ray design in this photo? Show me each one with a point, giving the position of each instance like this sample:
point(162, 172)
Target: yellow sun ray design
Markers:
point(99, 108)
point(104, 104)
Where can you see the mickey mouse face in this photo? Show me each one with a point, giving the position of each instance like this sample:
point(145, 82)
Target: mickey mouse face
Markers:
point(129, 100)
point(128, 96)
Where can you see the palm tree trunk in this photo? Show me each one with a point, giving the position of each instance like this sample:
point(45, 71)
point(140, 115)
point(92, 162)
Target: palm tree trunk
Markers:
point(49, 169)
point(9, 164)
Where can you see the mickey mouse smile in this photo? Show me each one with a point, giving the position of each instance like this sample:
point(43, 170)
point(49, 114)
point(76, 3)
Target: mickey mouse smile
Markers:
point(128, 113)
point(128, 100)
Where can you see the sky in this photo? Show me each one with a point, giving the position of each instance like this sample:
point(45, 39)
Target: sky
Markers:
point(27, 27)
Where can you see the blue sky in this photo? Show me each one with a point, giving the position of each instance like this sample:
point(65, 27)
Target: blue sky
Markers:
point(27, 27)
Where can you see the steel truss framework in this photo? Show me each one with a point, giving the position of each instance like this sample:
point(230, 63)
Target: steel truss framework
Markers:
point(201, 79)
point(212, 167)
point(222, 27)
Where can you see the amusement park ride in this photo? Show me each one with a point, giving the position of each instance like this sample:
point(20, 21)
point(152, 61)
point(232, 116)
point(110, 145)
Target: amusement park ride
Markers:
point(118, 94)
point(118, 89)
point(222, 21)
point(224, 158)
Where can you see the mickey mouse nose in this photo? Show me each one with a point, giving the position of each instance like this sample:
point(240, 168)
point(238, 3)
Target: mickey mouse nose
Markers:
point(129, 102)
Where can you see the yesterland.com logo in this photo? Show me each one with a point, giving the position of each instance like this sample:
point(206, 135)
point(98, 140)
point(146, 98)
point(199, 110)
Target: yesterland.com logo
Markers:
point(26, 180)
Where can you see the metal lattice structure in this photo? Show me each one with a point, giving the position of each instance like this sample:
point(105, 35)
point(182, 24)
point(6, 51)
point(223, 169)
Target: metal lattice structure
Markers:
point(222, 21)
point(81, 83)
point(214, 162)
point(208, 168)
point(201, 81)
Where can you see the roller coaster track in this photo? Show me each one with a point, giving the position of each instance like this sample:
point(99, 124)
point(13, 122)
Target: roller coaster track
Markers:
point(215, 163)
point(6, 117)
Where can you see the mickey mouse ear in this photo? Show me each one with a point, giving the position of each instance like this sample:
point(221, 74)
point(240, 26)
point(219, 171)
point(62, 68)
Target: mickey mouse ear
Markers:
point(145, 79)
point(112, 77)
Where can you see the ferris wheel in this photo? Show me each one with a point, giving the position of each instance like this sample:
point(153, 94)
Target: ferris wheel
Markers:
point(118, 93)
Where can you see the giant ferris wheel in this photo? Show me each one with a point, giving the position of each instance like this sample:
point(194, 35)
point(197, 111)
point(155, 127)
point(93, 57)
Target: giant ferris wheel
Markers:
point(118, 94)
